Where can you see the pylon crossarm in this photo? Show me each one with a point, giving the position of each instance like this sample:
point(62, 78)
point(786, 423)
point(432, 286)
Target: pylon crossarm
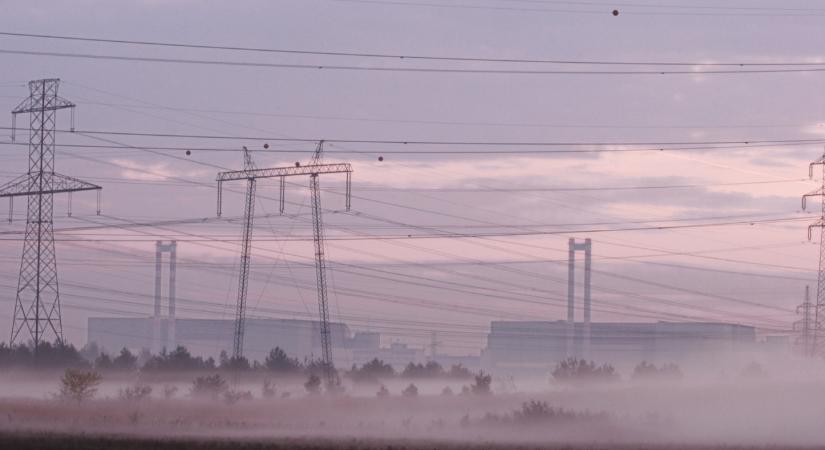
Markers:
point(35, 105)
point(24, 185)
point(821, 160)
point(814, 193)
point(13, 187)
point(819, 224)
point(235, 175)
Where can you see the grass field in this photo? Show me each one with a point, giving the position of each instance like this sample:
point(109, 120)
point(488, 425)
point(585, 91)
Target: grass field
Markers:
point(54, 441)
point(735, 414)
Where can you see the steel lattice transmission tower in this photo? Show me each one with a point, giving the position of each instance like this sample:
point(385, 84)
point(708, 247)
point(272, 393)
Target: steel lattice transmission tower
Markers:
point(819, 307)
point(250, 173)
point(805, 326)
point(37, 304)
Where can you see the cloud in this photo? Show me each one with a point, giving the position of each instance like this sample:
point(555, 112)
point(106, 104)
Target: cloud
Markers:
point(156, 171)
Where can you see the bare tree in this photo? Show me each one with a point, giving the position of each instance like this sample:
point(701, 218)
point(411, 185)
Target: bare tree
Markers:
point(79, 385)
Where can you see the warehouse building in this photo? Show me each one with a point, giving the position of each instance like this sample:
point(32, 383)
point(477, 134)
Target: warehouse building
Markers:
point(538, 346)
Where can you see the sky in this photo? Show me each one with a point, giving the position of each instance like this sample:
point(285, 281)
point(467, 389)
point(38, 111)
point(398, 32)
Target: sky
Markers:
point(388, 273)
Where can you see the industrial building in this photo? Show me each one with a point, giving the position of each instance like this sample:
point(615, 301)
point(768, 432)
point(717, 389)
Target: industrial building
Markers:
point(208, 337)
point(538, 346)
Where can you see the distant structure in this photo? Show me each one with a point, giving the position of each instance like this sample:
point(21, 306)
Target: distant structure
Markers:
point(535, 346)
point(167, 341)
point(37, 303)
point(209, 337)
point(805, 326)
point(819, 309)
point(251, 173)
point(571, 295)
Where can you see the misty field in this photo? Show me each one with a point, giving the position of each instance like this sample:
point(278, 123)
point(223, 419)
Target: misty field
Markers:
point(723, 413)
point(50, 441)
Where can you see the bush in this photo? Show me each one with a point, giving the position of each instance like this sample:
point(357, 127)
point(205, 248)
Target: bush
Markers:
point(268, 389)
point(539, 413)
point(233, 363)
point(647, 371)
point(210, 386)
point(79, 385)
point(230, 397)
point(754, 370)
point(125, 361)
point(446, 391)
point(459, 371)
point(410, 391)
point(137, 392)
point(48, 356)
point(278, 361)
point(382, 392)
point(579, 370)
point(372, 371)
point(430, 370)
point(482, 384)
point(169, 391)
point(177, 360)
point(313, 384)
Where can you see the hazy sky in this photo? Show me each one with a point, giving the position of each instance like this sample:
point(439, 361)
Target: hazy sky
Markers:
point(752, 274)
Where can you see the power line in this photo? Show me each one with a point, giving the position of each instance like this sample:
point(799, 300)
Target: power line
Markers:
point(356, 68)
point(438, 141)
point(802, 12)
point(418, 121)
point(453, 235)
point(404, 56)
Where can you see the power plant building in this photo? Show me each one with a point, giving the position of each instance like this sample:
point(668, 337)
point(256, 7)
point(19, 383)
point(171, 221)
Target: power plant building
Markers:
point(538, 346)
point(208, 337)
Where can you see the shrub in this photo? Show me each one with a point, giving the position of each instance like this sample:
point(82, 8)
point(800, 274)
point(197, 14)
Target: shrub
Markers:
point(430, 370)
point(313, 384)
point(446, 391)
point(79, 385)
point(459, 371)
point(371, 371)
point(382, 392)
point(177, 360)
point(49, 356)
point(230, 397)
point(482, 384)
point(410, 391)
point(233, 363)
point(137, 392)
point(268, 389)
point(540, 413)
point(169, 391)
point(647, 371)
point(754, 370)
point(579, 370)
point(124, 361)
point(210, 386)
point(279, 361)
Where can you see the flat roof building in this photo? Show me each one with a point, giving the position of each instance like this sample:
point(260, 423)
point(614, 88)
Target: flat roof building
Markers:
point(538, 346)
point(208, 337)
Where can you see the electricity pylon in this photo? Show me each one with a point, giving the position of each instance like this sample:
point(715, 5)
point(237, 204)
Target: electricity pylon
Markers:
point(819, 307)
point(37, 304)
point(250, 173)
point(805, 326)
